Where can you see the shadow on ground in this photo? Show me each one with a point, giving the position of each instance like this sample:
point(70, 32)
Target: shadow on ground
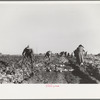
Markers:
point(85, 78)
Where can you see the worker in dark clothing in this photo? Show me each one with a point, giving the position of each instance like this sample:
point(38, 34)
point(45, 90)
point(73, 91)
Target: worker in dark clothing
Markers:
point(48, 54)
point(79, 55)
point(25, 51)
point(28, 55)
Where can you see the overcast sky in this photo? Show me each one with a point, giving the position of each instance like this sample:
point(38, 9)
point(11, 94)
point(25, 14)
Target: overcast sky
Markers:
point(49, 26)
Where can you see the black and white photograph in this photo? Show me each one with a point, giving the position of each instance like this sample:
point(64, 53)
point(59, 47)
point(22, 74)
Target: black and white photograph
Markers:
point(49, 43)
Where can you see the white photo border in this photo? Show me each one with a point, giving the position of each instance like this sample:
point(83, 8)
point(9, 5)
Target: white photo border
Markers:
point(40, 91)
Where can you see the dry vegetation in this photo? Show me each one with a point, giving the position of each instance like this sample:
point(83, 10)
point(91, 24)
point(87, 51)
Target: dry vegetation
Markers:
point(57, 70)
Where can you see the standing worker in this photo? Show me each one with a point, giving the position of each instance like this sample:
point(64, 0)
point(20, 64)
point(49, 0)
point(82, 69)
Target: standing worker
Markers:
point(79, 55)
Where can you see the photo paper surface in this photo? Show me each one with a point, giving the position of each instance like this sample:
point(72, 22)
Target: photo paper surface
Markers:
point(50, 46)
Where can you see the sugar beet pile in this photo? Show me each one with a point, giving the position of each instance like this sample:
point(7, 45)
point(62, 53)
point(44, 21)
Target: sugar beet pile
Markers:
point(57, 70)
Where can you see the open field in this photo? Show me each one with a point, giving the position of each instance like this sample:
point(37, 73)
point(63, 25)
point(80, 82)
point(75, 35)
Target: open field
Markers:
point(58, 70)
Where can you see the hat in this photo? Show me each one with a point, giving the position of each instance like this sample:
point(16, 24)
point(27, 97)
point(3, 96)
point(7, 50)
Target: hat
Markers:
point(81, 46)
